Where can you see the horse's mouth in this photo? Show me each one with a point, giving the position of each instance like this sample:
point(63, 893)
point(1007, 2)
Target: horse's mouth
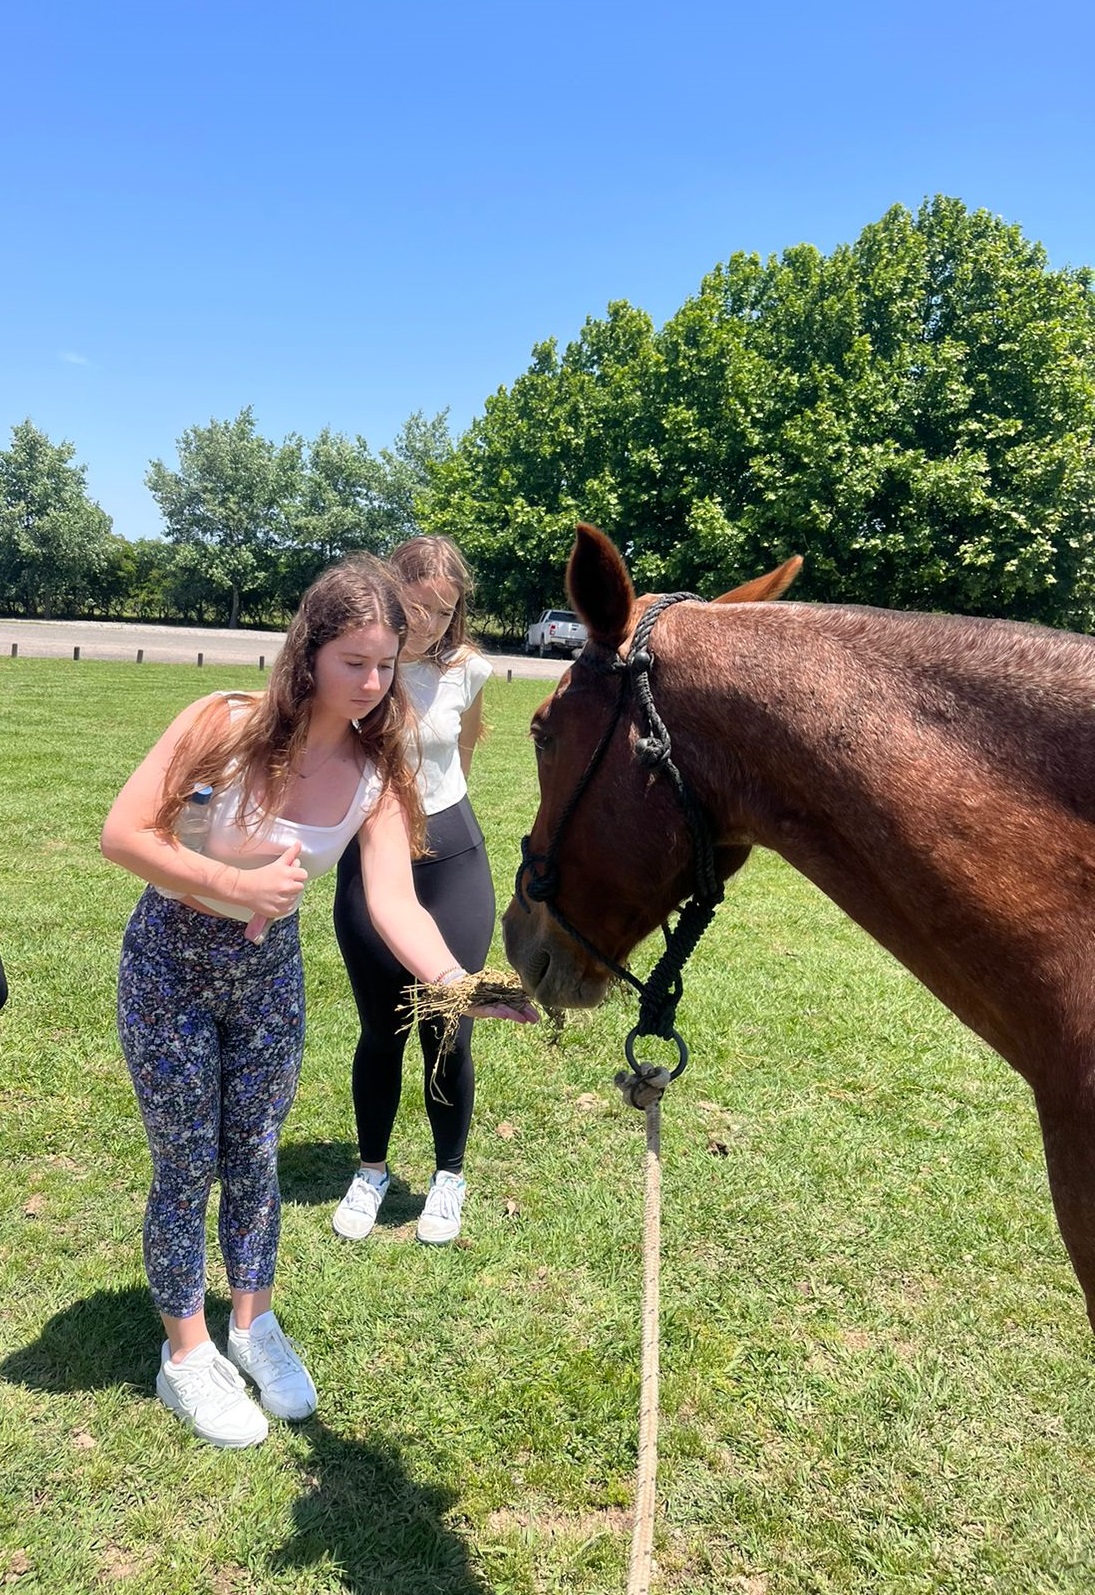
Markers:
point(562, 987)
point(553, 971)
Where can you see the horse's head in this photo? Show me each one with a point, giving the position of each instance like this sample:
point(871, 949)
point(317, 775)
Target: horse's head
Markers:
point(609, 852)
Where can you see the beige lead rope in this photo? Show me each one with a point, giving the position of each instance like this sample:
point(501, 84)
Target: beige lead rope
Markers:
point(643, 1089)
point(643, 1086)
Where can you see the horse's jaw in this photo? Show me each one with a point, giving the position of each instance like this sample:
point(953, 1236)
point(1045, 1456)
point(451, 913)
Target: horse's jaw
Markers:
point(553, 969)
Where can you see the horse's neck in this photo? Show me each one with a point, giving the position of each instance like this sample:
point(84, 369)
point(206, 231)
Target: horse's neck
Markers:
point(826, 706)
point(924, 774)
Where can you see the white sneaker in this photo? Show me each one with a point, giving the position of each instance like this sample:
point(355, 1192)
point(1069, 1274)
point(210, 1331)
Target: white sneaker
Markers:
point(439, 1221)
point(267, 1355)
point(207, 1393)
point(356, 1214)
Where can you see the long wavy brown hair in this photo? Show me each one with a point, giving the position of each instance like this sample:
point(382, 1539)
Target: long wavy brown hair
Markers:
point(259, 751)
point(435, 559)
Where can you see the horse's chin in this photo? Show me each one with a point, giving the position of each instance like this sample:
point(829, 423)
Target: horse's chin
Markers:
point(562, 987)
point(553, 970)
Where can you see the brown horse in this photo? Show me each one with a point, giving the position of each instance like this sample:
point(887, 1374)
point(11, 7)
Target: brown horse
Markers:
point(933, 774)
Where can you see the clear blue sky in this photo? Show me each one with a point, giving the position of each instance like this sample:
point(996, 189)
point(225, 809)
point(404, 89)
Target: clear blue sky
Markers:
point(340, 212)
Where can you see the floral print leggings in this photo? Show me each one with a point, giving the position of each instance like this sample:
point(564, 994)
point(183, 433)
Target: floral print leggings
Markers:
point(212, 1027)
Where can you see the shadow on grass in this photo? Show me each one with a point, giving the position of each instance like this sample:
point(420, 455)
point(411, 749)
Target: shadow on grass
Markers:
point(385, 1532)
point(112, 1337)
point(314, 1173)
point(359, 1506)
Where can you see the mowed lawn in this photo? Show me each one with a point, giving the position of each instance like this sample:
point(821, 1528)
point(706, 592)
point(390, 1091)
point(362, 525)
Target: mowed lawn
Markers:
point(877, 1374)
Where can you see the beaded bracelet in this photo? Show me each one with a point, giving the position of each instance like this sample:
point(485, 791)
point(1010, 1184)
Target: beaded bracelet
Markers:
point(449, 976)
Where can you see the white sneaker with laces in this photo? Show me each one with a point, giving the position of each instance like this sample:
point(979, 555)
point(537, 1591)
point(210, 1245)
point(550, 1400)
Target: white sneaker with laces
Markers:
point(439, 1221)
point(355, 1215)
point(207, 1393)
point(267, 1355)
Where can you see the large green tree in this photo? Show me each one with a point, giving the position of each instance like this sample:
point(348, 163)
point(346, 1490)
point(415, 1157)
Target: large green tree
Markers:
point(932, 444)
point(544, 453)
point(914, 412)
point(350, 499)
point(55, 542)
point(229, 501)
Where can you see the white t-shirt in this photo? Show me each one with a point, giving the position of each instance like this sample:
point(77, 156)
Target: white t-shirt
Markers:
point(440, 694)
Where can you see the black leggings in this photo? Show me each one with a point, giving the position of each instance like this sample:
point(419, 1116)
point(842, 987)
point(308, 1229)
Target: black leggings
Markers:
point(458, 892)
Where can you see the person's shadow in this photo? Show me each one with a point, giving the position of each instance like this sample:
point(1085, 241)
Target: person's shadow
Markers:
point(316, 1173)
point(384, 1531)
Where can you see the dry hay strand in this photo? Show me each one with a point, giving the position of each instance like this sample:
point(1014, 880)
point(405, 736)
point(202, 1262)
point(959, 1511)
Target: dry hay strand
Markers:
point(451, 1002)
point(556, 1019)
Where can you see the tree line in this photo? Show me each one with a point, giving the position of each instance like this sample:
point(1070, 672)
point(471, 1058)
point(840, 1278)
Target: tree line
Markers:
point(248, 523)
point(914, 413)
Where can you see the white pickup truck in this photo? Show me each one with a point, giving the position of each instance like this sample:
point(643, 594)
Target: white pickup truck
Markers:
point(558, 631)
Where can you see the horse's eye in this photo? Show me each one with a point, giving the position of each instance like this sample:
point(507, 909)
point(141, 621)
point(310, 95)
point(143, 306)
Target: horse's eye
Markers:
point(539, 739)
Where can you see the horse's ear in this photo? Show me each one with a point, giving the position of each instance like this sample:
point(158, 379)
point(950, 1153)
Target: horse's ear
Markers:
point(600, 588)
point(762, 588)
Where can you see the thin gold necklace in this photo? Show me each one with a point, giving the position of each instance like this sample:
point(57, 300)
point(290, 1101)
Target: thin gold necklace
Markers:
point(322, 762)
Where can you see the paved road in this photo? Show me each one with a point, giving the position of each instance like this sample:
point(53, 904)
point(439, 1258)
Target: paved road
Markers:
point(107, 639)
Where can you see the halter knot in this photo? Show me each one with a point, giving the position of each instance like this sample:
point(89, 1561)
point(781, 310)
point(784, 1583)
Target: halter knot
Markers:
point(652, 751)
point(541, 887)
point(643, 1085)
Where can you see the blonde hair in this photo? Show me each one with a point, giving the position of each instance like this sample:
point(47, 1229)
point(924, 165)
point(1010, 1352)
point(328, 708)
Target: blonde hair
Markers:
point(259, 751)
point(436, 559)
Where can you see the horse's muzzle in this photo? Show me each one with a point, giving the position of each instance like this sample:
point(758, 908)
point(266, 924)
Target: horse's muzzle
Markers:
point(552, 968)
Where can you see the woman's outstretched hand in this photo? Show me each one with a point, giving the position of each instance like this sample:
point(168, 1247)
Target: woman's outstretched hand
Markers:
point(453, 996)
point(521, 1014)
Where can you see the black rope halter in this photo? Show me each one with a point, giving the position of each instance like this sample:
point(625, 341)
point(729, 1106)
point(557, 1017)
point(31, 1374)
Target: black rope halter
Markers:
point(660, 993)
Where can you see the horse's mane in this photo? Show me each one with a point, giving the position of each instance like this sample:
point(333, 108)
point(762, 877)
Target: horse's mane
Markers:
point(969, 656)
point(1012, 695)
point(962, 637)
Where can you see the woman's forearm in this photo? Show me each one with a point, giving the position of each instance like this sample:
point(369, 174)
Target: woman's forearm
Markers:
point(168, 864)
point(412, 936)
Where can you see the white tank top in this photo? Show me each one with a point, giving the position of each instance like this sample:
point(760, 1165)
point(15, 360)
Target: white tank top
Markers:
point(321, 846)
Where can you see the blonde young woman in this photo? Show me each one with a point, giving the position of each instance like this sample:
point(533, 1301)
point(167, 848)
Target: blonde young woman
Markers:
point(444, 676)
point(210, 1011)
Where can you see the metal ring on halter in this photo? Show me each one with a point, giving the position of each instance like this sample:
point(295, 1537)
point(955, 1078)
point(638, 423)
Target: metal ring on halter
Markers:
point(674, 1036)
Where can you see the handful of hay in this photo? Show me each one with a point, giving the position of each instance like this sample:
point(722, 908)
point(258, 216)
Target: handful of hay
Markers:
point(451, 1002)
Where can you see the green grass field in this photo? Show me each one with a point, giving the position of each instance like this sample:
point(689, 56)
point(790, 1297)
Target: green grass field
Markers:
point(877, 1374)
